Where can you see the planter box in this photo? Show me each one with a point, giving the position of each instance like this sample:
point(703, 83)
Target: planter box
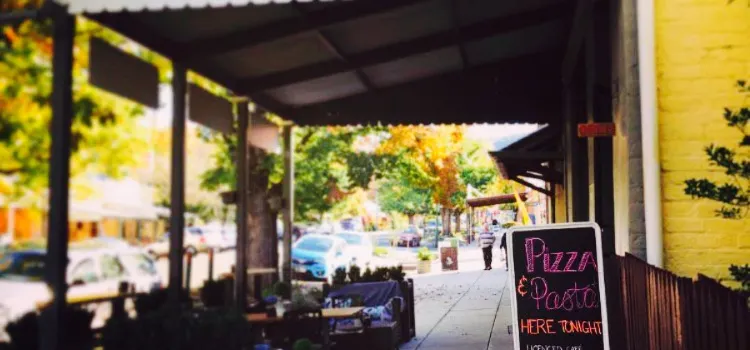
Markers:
point(424, 266)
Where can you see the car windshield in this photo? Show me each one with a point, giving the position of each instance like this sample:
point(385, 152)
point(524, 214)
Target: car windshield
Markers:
point(351, 238)
point(139, 264)
point(316, 244)
point(22, 266)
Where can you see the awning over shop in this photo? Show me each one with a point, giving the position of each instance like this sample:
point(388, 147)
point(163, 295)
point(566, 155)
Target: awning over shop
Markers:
point(365, 61)
point(534, 157)
point(494, 200)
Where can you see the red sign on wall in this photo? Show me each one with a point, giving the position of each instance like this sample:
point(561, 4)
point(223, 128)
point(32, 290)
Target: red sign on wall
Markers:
point(596, 130)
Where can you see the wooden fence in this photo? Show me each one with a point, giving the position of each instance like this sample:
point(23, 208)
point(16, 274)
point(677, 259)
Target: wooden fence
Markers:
point(657, 310)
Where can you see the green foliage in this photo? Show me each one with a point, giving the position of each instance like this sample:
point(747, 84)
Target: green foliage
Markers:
point(105, 138)
point(380, 252)
point(401, 196)
point(302, 344)
point(424, 254)
point(741, 274)
point(355, 274)
point(194, 329)
point(339, 276)
point(734, 194)
point(24, 332)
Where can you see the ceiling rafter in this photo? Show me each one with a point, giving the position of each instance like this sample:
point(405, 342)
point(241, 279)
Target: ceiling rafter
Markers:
point(408, 48)
point(336, 50)
point(457, 29)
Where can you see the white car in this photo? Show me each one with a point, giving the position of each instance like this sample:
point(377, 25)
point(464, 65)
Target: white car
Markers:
point(193, 242)
point(359, 247)
point(90, 272)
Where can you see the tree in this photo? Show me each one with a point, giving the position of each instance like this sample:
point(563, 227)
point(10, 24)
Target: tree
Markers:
point(105, 133)
point(399, 195)
point(323, 178)
point(734, 194)
point(434, 151)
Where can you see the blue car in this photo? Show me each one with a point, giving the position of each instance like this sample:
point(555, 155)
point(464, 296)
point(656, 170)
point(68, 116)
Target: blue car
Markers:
point(316, 256)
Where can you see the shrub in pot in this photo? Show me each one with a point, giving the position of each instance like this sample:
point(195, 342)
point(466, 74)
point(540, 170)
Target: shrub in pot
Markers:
point(190, 330)
point(424, 261)
point(212, 293)
point(355, 274)
point(24, 332)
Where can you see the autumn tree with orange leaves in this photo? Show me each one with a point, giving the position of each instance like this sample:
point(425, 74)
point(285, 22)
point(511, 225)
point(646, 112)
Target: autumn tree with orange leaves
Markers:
point(104, 132)
point(433, 151)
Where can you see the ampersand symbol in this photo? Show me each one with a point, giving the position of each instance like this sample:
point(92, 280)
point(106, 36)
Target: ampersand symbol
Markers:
point(521, 286)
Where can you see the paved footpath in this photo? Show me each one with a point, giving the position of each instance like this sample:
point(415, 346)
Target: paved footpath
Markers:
point(468, 310)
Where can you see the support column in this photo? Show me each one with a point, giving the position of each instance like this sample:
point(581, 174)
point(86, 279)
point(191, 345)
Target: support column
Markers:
point(52, 325)
point(603, 147)
point(177, 190)
point(288, 207)
point(240, 265)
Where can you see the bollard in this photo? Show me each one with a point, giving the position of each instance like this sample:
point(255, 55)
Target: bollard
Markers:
point(211, 264)
point(188, 269)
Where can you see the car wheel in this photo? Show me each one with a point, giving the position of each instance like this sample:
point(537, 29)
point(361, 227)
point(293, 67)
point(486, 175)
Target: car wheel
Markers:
point(417, 243)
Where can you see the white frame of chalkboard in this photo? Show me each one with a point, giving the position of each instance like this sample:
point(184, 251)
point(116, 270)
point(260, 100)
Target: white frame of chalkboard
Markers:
point(599, 262)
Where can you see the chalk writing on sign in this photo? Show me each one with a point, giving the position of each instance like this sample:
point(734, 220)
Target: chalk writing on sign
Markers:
point(558, 300)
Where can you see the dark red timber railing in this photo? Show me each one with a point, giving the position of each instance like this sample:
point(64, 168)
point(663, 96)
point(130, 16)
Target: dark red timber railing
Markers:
point(658, 310)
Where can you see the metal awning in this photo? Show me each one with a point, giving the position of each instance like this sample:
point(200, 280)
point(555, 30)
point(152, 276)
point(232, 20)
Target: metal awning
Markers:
point(97, 6)
point(494, 200)
point(533, 156)
point(363, 61)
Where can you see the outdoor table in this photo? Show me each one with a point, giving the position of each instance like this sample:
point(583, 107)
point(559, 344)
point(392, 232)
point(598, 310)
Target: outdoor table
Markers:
point(328, 314)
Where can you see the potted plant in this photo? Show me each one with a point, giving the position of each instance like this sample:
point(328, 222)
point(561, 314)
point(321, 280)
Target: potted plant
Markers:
point(424, 260)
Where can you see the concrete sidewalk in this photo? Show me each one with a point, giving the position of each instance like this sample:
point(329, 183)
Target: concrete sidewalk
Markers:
point(463, 310)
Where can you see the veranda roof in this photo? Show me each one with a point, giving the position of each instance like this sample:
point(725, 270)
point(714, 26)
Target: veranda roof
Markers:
point(363, 61)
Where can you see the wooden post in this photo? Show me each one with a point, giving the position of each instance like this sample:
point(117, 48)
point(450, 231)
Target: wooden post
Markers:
point(52, 322)
point(288, 206)
point(177, 184)
point(240, 271)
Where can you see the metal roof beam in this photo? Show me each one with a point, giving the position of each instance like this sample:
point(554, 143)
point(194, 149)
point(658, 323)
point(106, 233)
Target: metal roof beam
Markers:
point(326, 17)
point(336, 50)
point(408, 48)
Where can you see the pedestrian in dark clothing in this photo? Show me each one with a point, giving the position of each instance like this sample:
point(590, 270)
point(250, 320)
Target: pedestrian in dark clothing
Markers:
point(504, 247)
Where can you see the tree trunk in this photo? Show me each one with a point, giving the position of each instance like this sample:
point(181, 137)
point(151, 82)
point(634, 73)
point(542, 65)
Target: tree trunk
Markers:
point(411, 219)
point(262, 244)
point(457, 214)
point(445, 216)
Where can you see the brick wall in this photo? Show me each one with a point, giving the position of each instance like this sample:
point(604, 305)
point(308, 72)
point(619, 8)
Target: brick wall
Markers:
point(703, 48)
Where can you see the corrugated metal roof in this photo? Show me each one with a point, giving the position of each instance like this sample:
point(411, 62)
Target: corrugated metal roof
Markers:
point(98, 6)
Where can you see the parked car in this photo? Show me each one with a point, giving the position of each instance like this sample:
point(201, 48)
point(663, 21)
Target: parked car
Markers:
point(90, 272)
point(409, 238)
point(193, 242)
point(220, 238)
point(317, 256)
point(359, 247)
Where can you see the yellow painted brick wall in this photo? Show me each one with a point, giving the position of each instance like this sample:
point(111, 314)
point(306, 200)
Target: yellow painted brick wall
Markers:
point(702, 49)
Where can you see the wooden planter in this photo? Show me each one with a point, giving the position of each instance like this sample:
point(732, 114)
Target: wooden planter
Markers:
point(424, 266)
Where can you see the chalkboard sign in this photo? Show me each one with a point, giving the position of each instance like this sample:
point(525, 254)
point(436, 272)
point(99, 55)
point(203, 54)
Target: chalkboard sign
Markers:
point(558, 300)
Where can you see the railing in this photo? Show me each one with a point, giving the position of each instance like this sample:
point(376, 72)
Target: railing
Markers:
point(661, 311)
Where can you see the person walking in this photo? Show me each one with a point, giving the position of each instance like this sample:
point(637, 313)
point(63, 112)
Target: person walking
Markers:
point(486, 241)
point(504, 247)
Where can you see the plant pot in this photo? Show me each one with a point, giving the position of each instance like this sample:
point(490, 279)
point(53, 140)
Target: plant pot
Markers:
point(424, 266)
